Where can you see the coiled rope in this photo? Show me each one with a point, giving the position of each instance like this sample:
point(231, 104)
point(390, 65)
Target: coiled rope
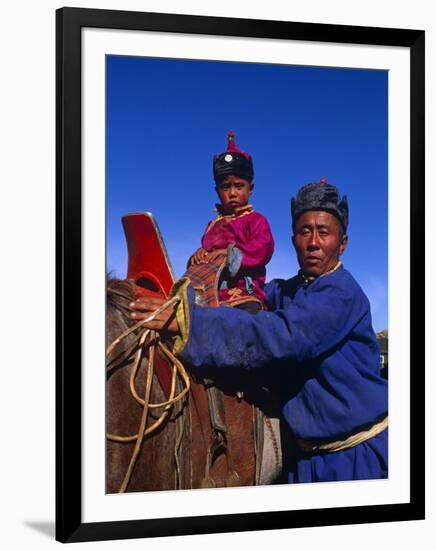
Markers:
point(147, 341)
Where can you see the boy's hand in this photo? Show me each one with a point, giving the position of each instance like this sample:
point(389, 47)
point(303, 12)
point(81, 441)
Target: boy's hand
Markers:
point(215, 253)
point(200, 256)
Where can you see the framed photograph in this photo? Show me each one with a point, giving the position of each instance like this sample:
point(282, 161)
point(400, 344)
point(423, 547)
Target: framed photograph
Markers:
point(152, 110)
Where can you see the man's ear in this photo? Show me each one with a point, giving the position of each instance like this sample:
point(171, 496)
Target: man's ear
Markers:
point(343, 244)
point(293, 241)
point(251, 187)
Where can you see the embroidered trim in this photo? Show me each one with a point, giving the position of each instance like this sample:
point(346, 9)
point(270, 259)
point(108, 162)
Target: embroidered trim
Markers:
point(180, 288)
point(308, 280)
point(239, 212)
point(249, 287)
point(236, 301)
point(234, 293)
point(333, 269)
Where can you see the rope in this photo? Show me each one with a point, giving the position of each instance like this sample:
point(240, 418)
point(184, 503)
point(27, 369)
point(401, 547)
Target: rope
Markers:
point(273, 440)
point(174, 300)
point(348, 443)
point(143, 423)
point(180, 429)
point(178, 369)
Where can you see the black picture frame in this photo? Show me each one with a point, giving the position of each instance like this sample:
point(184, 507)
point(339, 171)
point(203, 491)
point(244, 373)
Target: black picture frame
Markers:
point(69, 22)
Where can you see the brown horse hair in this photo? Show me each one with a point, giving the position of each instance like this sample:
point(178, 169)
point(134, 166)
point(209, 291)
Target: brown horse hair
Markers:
point(119, 294)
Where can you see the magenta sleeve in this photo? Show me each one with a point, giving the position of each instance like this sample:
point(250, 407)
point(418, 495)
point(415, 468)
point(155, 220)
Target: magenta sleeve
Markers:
point(259, 247)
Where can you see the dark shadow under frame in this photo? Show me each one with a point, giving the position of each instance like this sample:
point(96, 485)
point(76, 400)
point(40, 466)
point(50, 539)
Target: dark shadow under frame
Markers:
point(69, 23)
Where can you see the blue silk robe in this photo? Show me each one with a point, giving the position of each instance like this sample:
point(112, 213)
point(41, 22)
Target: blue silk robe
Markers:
point(318, 346)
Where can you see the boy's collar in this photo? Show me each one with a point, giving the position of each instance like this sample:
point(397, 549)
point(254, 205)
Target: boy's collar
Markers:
point(247, 208)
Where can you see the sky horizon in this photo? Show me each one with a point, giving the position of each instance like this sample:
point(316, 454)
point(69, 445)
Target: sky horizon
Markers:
point(167, 118)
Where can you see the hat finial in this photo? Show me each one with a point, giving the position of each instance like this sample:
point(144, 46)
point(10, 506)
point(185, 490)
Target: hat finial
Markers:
point(231, 145)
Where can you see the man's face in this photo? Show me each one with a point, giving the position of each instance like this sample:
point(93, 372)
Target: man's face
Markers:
point(233, 192)
point(318, 241)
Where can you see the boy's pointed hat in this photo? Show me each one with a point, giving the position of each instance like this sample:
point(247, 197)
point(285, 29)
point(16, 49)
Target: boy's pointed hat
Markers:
point(233, 162)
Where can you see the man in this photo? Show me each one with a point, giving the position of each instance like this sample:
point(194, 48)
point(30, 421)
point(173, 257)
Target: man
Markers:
point(316, 343)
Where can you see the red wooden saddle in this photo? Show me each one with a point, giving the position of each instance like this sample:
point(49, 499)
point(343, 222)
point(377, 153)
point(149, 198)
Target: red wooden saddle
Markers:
point(150, 269)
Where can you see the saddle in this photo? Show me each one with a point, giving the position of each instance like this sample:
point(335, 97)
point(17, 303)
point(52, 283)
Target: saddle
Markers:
point(150, 269)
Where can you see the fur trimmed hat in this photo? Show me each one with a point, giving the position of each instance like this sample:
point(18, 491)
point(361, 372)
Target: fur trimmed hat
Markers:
point(320, 196)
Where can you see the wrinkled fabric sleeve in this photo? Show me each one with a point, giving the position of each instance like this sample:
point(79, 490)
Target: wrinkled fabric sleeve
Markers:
point(259, 248)
point(226, 337)
point(188, 263)
point(272, 295)
point(204, 233)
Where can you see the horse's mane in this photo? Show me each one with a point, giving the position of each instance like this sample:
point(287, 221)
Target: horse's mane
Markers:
point(119, 294)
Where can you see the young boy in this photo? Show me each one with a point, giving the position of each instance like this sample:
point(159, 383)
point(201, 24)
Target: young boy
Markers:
point(238, 225)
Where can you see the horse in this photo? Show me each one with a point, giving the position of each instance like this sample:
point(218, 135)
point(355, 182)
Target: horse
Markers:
point(206, 434)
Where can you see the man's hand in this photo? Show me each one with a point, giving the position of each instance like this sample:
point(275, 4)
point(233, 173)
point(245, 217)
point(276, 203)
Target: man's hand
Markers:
point(164, 322)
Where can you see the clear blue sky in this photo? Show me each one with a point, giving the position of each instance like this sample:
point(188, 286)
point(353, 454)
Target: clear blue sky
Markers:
point(167, 118)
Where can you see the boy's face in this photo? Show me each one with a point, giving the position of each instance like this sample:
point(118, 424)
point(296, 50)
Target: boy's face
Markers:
point(233, 192)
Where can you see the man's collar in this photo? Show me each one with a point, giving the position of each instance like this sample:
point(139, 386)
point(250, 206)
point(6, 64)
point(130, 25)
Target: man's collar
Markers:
point(306, 280)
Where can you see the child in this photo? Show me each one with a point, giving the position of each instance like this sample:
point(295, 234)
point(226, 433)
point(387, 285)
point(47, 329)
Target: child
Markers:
point(238, 225)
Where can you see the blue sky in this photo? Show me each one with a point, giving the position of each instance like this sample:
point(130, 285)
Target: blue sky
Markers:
point(167, 118)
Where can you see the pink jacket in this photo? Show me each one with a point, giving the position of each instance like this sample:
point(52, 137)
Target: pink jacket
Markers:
point(250, 232)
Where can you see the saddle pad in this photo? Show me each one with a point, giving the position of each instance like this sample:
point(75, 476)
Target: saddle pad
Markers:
point(205, 279)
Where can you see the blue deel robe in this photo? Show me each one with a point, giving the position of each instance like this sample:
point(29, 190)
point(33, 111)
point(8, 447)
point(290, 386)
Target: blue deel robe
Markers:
point(318, 346)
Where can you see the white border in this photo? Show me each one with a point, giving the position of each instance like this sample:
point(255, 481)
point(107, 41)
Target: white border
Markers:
point(96, 505)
